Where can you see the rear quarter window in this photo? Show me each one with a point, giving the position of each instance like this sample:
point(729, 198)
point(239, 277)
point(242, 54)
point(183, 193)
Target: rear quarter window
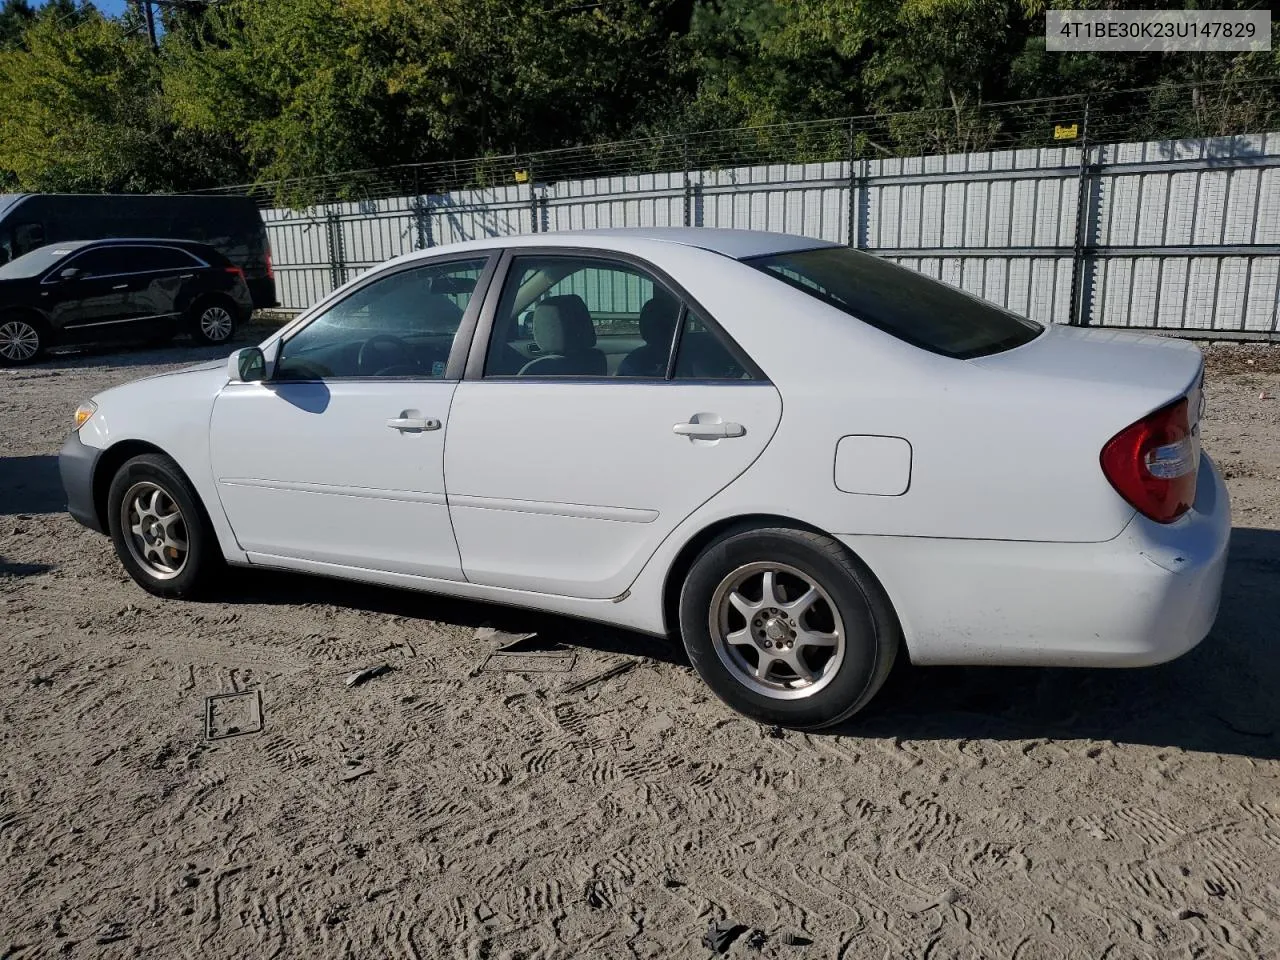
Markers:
point(910, 306)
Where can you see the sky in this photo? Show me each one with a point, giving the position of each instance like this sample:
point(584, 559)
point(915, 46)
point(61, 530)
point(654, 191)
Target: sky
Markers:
point(111, 7)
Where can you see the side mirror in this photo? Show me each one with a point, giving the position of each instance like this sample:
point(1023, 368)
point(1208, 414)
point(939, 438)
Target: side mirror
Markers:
point(247, 365)
point(69, 274)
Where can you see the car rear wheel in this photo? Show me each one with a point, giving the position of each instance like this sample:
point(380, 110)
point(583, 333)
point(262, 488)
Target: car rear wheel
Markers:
point(161, 534)
point(214, 320)
point(22, 340)
point(787, 627)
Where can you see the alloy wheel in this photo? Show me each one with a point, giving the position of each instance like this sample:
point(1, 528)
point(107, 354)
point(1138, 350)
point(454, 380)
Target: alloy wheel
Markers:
point(216, 323)
point(155, 529)
point(776, 630)
point(19, 340)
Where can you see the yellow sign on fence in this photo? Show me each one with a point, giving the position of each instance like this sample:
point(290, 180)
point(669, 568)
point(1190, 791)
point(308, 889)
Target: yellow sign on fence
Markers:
point(1064, 132)
point(522, 176)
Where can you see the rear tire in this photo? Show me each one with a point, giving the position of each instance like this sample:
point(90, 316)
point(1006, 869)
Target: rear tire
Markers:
point(159, 528)
point(23, 338)
point(787, 626)
point(213, 320)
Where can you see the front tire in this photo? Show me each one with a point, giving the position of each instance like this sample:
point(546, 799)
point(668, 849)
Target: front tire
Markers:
point(787, 627)
point(22, 340)
point(213, 320)
point(159, 530)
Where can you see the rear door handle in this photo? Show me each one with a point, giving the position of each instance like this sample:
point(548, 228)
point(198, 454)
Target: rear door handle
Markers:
point(709, 431)
point(185, 276)
point(121, 286)
point(412, 423)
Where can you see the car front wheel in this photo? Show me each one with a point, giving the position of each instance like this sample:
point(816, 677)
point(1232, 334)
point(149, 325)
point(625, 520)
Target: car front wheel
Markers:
point(787, 627)
point(159, 531)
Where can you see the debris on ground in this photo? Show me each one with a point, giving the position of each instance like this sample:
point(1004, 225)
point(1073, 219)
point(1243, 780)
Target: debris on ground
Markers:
point(367, 674)
point(355, 773)
point(795, 939)
point(720, 936)
point(526, 653)
point(614, 671)
point(110, 932)
point(232, 714)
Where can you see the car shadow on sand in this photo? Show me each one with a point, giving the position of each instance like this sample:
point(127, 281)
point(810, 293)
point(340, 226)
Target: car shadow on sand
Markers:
point(1219, 698)
point(30, 485)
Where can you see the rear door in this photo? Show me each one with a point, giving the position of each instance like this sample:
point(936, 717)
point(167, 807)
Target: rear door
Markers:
point(566, 471)
point(156, 281)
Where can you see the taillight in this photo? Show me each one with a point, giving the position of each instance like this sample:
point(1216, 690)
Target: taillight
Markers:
point(1153, 463)
point(271, 270)
point(235, 270)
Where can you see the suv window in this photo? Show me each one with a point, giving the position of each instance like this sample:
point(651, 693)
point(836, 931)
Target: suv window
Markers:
point(163, 258)
point(905, 304)
point(581, 317)
point(106, 261)
point(401, 325)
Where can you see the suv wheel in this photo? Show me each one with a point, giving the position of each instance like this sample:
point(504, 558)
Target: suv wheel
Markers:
point(214, 321)
point(22, 340)
point(787, 627)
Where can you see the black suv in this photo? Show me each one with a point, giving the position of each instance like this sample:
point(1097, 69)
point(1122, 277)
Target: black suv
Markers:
point(93, 290)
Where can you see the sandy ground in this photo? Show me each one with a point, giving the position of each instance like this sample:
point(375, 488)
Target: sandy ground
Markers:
point(441, 810)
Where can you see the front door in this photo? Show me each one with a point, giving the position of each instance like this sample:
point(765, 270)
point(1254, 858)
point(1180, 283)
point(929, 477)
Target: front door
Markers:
point(338, 459)
point(567, 464)
point(92, 304)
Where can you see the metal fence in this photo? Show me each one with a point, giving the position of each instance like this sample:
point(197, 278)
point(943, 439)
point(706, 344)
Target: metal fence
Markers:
point(1154, 209)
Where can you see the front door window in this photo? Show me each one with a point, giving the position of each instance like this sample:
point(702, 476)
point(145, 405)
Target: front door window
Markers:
point(401, 325)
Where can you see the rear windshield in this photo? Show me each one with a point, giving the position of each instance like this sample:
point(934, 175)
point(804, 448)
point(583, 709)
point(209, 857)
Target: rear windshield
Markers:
point(37, 261)
point(901, 302)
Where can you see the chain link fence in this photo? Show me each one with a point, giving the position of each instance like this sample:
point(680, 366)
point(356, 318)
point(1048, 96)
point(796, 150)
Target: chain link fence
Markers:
point(1155, 208)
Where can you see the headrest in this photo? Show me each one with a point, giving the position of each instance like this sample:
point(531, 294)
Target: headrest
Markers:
point(441, 312)
point(562, 325)
point(658, 318)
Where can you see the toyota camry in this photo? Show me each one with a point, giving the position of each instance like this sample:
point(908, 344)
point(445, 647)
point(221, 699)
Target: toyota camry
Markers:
point(803, 460)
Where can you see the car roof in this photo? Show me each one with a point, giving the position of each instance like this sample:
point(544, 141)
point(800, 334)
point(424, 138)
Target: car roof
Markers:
point(738, 244)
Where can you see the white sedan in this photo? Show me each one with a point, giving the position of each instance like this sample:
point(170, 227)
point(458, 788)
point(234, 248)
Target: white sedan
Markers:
point(798, 457)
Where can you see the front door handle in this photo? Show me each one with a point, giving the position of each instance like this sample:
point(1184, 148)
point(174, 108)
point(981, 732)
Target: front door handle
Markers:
point(121, 286)
point(709, 431)
point(412, 423)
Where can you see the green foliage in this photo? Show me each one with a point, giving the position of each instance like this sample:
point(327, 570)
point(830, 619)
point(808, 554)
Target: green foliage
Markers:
point(291, 90)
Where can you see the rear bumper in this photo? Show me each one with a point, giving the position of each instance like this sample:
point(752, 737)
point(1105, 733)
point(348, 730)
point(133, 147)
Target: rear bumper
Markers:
point(1147, 596)
point(76, 463)
point(263, 291)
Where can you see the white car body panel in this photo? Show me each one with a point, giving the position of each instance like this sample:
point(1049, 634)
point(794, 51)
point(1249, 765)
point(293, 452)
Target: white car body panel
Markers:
point(1007, 544)
point(312, 471)
point(170, 411)
point(568, 488)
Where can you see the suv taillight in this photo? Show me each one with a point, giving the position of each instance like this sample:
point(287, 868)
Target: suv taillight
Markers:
point(271, 270)
point(1153, 463)
point(235, 270)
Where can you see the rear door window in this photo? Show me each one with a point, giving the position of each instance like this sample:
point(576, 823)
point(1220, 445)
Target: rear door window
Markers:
point(910, 306)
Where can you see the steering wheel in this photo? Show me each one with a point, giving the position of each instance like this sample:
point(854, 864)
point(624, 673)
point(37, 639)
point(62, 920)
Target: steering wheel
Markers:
point(370, 350)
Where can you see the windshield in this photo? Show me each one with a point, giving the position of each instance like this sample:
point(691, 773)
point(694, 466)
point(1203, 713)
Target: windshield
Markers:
point(37, 261)
point(901, 302)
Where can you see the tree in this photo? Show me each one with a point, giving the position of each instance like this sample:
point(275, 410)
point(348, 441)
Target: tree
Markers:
point(80, 110)
point(311, 87)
